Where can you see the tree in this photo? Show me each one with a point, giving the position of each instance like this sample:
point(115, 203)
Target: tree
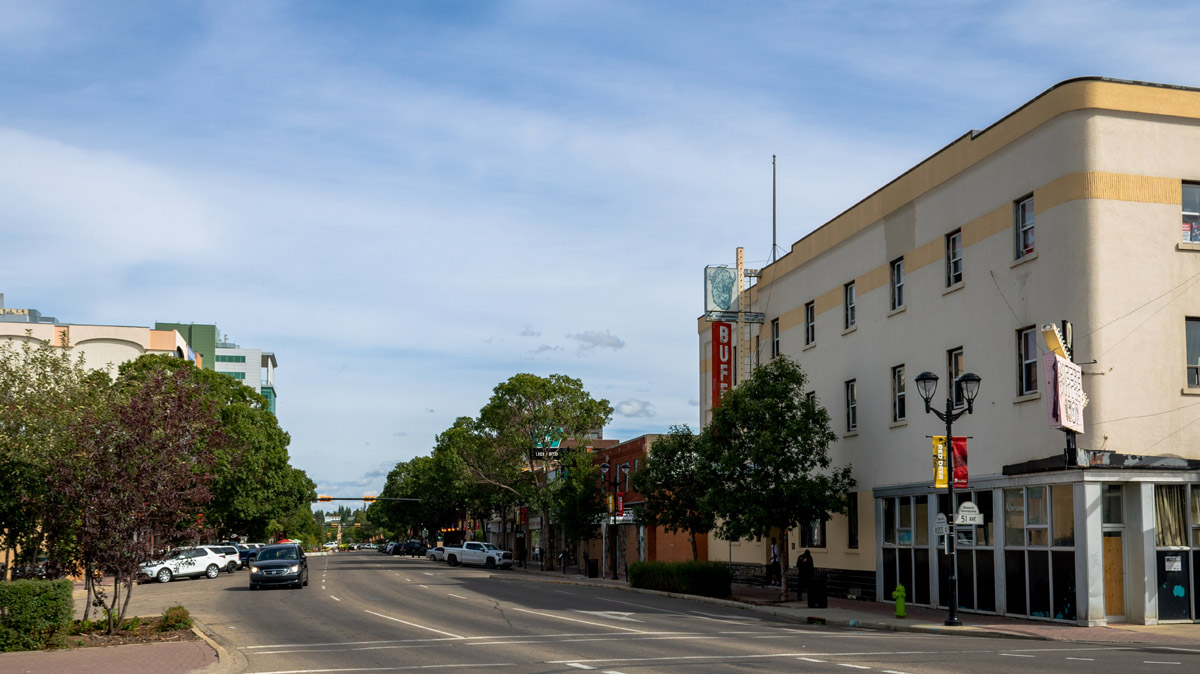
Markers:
point(135, 481)
point(43, 391)
point(576, 500)
point(674, 483)
point(255, 489)
point(528, 419)
point(768, 446)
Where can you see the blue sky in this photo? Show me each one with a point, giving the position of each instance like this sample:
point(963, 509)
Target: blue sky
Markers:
point(409, 202)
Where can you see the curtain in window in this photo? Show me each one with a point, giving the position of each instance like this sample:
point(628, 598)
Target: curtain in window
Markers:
point(1169, 516)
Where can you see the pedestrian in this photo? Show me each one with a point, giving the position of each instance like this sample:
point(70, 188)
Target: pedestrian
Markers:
point(804, 568)
point(774, 562)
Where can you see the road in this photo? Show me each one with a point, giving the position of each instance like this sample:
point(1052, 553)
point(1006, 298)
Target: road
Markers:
point(364, 612)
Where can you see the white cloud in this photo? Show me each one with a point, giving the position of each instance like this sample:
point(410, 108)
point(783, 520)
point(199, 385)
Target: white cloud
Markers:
point(634, 408)
point(594, 339)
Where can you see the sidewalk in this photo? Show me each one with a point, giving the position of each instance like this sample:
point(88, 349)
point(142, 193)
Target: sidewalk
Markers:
point(880, 616)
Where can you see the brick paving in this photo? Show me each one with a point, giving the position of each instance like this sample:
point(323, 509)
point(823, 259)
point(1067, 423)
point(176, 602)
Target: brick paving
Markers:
point(180, 657)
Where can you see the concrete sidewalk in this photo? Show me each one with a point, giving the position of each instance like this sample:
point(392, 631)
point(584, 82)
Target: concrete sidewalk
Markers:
point(880, 616)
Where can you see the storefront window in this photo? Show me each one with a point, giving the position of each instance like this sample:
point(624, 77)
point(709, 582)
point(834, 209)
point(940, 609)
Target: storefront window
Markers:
point(1196, 516)
point(1169, 516)
point(889, 520)
point(1014, 517)
point(1112, 504)
point(1062, 508)
point(921, 524)
point(985, 535)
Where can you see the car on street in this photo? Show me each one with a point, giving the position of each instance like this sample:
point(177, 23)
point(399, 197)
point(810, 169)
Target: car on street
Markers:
point(233, 560)
point(195, 562)
point(413, 548)
point(283, 564)
point(476, 553)
point(437, 554)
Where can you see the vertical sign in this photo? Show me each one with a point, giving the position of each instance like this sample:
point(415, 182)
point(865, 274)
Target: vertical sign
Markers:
point(722, 361)
point(939, 462)
point(620, 504)
point(1064, 385)
point(959, 447)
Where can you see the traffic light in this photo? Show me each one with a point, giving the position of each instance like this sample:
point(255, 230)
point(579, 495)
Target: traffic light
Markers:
point(324, 498)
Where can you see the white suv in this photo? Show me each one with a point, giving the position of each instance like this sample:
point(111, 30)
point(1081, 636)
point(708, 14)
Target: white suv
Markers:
point(195, 562)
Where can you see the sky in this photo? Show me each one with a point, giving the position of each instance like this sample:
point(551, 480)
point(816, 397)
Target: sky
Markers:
point(410, 202)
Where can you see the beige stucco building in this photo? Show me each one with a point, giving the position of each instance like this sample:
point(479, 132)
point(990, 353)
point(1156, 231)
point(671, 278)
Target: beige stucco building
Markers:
point(1081, 205)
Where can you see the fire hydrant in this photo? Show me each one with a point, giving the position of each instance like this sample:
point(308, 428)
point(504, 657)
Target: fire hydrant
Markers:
point(898, 595)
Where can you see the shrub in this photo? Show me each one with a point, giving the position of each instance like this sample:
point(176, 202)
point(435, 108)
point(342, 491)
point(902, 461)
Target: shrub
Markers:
point(709, 579)
point(175, 618)
point(35, 614)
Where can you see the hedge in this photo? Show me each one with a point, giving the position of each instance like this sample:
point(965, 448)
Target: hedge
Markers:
point(35, 614)
point(708, 579)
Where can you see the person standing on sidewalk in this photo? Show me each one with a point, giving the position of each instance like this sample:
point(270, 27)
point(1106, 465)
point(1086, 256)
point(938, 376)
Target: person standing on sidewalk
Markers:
point(804, 567)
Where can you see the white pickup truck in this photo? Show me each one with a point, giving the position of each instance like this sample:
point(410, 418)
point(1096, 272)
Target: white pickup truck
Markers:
point(479, 554)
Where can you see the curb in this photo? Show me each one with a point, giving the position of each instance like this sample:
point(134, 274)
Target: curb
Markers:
point(228, 662)
point(793, 615)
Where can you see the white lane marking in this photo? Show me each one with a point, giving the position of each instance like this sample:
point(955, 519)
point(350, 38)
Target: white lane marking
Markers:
point(799, 656)
point(456, 636)
point(611, 671)
point(893, 671)
point(1159, 662)
point(322, 587)
point(843, 664)
point(334, 598)
point(574, 620)
point(434, 640)
point(563, 592)
point(456, 596)
point(612, 615)
point(384, 669)
point(424, 586)
point(810, 659)
point(579, 666)
point(715, 616)
point(1083, 659)
point(1014, 655)
point(579, 640)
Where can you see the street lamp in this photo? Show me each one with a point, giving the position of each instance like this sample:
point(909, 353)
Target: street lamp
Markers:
point(612, 511)
point(968, 385)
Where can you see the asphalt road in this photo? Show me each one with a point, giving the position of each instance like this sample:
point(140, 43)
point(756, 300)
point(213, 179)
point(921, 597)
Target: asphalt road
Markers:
point(364, 612)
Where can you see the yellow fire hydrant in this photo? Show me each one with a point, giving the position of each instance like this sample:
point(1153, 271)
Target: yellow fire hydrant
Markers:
point(898, 595)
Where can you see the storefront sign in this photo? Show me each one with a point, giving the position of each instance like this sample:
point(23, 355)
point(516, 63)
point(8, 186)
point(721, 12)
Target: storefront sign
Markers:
point(1065, 398)
point(722, 361)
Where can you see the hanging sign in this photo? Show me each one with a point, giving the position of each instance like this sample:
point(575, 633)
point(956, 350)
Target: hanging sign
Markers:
point(620, 504)
point(959, 447)
point(1065, 398)
point(968, 514)
point(722, 361)
point(941, 461)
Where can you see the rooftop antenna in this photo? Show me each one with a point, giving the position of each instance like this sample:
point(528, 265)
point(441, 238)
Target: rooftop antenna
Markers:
point(772, 209)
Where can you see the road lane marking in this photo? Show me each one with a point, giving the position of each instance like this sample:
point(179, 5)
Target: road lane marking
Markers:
point(893, 671)
point(423, 586)
point(579, 666)
point(810, 660)
point(1083, 659)
point(1159, 662)
point(798, 656)
point(576, 620)
point(386, 669)
point(1014, 655)
point(612, 615)
point(334, 598)
point(456, 596)
point(714, 616)
point(456, 636)
point(843, 664)
point(578, 640)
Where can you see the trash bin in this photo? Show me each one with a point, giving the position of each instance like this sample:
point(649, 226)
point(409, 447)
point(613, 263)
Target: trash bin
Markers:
point(818, 590)
point(593, 568)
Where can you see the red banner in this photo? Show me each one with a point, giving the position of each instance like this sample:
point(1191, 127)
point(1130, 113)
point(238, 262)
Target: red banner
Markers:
point(960, 462)
point(620, 504)
point(722, 361)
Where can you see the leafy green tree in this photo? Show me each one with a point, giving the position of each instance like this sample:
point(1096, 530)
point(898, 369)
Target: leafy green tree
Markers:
point(43, 392)
point(576, 499)
point(256, 491)
point(528, 417)
point(768, 447)
point(674, 482)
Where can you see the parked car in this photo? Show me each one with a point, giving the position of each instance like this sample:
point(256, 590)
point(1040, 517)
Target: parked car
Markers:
point(437, 554)
point(413, 548)
point(233, 559)
point(284, 564)
point(246, 554)
point(185, 563)
point(479, 554)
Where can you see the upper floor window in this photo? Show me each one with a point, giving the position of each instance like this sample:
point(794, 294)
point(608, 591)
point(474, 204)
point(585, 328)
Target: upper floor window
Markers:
point(848, 318)
point(898, 398)
point(1191, 213)
point(774, 337)
point(1027, 361)
point(954, 368)
point(810, 323)
point(1193, 352)
point(954, 269)
point(1023, 227)
point(897, 283)
point(851, 406)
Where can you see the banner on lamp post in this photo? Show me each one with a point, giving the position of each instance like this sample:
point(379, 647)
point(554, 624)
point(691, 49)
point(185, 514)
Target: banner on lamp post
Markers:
point(941, 462)
point(959, 447)
point(620, 504)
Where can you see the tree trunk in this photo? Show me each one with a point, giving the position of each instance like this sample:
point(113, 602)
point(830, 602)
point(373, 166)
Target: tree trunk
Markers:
point(783, 567)
point(695, 550)
point(111, 609)
point(125, 604)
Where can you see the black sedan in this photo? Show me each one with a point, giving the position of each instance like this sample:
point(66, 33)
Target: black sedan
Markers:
point(283, 564)
point(410, 548)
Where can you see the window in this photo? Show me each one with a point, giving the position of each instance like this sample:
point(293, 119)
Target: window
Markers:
point(1027, 361)
point(1191, 213)
point(954, 270)
point(1193, 352)
point(813, 535)
point(898, 411)
point(774, 337)
point(852, 520)
point(897, 280)
point(811, 397)
point(954, 368)
point(757, 352)
point(230, 359)
point(848, 305)
point(1023, 227)
point(810, 323)
point(851, 406)
point(235, 375)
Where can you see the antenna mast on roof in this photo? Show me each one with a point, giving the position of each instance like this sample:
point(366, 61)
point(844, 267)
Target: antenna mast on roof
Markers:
point(772, 209)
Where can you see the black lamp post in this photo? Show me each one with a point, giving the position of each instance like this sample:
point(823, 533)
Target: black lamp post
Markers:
point(612, 534)
point(968, 384)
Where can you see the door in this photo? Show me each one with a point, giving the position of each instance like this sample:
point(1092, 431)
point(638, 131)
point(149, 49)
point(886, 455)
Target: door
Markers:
point(1114, 576)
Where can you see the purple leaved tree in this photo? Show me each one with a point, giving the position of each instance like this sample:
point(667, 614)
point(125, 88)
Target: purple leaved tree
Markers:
point(134, 484)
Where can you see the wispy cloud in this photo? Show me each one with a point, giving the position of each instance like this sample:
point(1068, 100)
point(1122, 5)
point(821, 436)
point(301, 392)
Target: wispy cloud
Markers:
point(634, 408)
point(597, 340)
point(528, 331)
